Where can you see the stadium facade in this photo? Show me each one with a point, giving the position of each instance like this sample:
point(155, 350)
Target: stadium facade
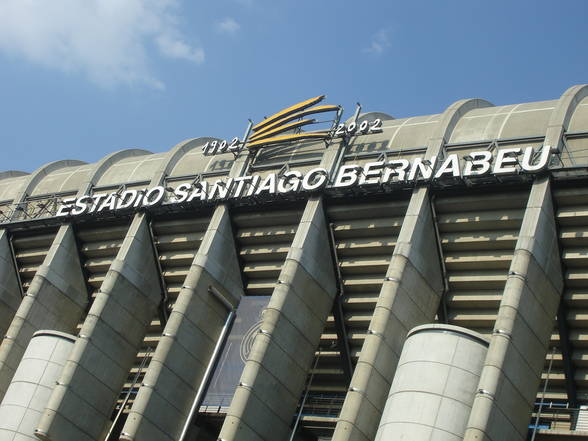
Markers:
point(423, 278)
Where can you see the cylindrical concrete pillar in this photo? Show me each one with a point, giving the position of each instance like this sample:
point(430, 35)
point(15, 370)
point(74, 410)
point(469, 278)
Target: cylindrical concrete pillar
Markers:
point(435, 384)
point(32, 384)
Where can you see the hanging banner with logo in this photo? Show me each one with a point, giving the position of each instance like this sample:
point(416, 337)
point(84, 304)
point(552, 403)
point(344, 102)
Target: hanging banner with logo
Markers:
point(232, 361)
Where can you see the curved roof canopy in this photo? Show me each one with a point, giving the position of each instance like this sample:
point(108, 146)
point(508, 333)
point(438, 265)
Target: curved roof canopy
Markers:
point(473, 124)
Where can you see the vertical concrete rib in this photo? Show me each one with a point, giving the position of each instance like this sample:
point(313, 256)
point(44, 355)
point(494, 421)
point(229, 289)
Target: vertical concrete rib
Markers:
point(81, 404)
point(409, 297)
point(512, 371)
point(177, 368)
point(9, 289)
point(55, 300)
point(274, 375)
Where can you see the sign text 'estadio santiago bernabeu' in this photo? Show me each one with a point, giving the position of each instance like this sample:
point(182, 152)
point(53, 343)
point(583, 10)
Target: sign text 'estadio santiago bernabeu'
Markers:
point(416, 170)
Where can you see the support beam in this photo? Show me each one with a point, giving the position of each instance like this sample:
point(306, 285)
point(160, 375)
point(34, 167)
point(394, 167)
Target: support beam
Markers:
point(516, 356)
point(566, 354)
point(81, 404)
point(56, 299)
point(176, 371)
point(9, 285)
point(410, 296)
point(338, 316)
point(282, 353)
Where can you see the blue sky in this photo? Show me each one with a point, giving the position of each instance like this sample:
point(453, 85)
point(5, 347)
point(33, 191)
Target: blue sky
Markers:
point(81, 79)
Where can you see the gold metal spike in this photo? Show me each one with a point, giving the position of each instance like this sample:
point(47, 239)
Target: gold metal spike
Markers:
point(281, 129)
point(292, 109)
point(301, 114)
point(285, 138)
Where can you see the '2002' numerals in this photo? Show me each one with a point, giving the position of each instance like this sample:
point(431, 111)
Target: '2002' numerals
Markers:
point(364, 127)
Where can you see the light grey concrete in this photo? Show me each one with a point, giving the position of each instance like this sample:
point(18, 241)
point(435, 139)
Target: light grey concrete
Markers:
point(9, 289)
point(81, 404)
point(104, 164)
point(409, 297)
point(449, 120)
point(562, 114)
point(177, 368)
point(516, 356)
point(55, 300)
point(274, 375)
point(515, 360)
point(435, 383)
point(32, 384)
point(174, 156)
point(34, 178)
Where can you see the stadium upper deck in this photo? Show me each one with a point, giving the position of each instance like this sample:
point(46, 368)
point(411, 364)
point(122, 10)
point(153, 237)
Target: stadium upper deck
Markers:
point(475, 217)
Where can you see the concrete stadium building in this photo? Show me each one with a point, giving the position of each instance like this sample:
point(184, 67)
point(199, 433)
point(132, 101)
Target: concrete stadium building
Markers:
point(424, 280)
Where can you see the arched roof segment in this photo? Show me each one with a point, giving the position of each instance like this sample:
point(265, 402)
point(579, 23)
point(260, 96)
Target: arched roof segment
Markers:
point(100, 167)
point(64, 180)
point(31, 181)
point(10, 186)
point(193, 160)
point(136, 165)
point(405, 133)
point(503, 122)
point(579, 120)
point(464, 122)
point(177, 155)
point(562, 114)
point(12, 174)
point(449, 121)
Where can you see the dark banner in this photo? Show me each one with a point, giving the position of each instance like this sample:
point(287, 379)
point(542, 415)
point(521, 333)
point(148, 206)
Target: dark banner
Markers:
point(230, 366)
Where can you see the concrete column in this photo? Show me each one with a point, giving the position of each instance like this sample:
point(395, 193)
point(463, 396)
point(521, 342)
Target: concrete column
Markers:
point(81, 404)
point(33, 382)
point(434, 386)
point(9, 289)
point(162, 405)
point(274, 376)
point(532, 293)
point(56, 299)
point(409, 297)
point(513, 366)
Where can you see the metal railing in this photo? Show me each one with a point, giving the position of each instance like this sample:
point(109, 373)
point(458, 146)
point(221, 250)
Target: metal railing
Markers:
point(557, 416)
point(325, 405)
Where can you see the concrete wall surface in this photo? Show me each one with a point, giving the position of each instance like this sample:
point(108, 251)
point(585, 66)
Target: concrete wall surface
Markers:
point(187, 343)
point(56, 300)
point(519, 343)
point(409, 297)
point(434, 386)
point(9, 289)
point(275, 372)
point(32, 384)
point(81, 404)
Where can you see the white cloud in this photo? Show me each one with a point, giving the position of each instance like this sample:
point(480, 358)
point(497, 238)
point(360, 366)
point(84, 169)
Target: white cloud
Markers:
point(177, 48)
point(108, 41)
point(227, 25)
point(380, 42)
